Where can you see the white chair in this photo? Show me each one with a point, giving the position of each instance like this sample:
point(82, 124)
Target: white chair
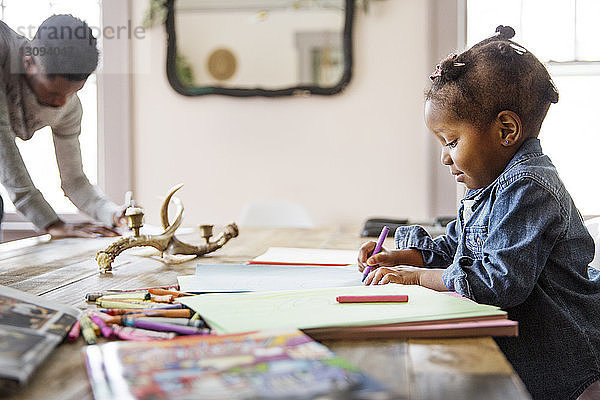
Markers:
point(275, 213)
point(593, 226)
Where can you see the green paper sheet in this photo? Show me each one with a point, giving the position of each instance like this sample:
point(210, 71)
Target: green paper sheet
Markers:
point(317, 308)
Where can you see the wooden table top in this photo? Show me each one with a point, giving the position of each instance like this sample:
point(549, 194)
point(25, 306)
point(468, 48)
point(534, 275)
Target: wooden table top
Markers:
point(65, 270)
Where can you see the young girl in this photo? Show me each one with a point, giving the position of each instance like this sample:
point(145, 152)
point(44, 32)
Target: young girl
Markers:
point(519, 241)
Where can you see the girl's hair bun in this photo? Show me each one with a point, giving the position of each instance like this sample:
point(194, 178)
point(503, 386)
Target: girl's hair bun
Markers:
point(505, 32)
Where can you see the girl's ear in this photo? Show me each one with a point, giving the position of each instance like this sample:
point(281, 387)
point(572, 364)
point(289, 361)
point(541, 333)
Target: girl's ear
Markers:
point(511, 130)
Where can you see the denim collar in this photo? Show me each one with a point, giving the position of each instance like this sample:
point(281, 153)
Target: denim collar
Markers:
point(530, 148)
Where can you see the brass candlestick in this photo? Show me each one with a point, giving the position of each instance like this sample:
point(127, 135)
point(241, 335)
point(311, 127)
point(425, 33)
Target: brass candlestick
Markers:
point(166, 241)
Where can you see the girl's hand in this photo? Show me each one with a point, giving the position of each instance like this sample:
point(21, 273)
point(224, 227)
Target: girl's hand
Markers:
point(427, 277)
point(383, 258)
point(404, 275)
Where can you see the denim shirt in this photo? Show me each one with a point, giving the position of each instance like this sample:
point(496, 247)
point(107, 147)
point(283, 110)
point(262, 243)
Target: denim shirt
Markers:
point(520, 244)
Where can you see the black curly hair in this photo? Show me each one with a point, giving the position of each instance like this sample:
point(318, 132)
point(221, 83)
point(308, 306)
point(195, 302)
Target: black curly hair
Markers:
point(494, 75)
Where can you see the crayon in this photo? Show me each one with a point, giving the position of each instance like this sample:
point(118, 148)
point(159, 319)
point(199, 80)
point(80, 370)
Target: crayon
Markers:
point(136, 334)
point(120, 311)
point(174, 321)
point(74, 332)
point(125, 296)
point(174, 287)
point(373, 299)
point(155, 326)
point(92, 297)
point(168, 298)
point(95, 327)
point(102, 315)
point(116, 319)
point(129, 301)
point(126, 304)
point(86, 330)
point(105, 329)
point(376, 250)
point(174, 293)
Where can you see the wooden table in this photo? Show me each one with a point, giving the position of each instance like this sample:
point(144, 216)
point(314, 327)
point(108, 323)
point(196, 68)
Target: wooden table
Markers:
point(65, 270)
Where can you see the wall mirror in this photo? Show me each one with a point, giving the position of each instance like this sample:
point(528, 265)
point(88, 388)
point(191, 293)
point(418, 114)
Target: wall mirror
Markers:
point(259, 47)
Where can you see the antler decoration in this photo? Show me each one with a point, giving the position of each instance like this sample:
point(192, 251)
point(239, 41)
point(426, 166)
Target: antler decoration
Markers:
point(166, 241)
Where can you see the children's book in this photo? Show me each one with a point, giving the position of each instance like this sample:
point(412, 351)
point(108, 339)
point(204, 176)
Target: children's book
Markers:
point(30, 328)
point(302, 256)
point(284, 364)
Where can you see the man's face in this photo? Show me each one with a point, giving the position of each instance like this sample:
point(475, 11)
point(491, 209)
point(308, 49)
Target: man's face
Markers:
point(474, 157)
point(50, 92)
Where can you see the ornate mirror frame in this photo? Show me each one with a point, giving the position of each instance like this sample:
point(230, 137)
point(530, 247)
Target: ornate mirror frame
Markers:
point(219, 90)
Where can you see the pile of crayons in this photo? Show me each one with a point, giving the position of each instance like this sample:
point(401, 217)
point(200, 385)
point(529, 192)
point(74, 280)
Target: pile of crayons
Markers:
point(146, 314)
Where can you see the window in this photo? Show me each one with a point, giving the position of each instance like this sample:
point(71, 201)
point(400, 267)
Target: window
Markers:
point(563, 34)
point(24, 17)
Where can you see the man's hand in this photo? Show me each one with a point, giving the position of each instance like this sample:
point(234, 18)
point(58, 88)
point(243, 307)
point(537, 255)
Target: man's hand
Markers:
point(427, 277)
point(119, 219)
point(61, 229)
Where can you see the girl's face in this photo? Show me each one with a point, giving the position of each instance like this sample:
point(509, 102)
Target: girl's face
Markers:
point(475, 158)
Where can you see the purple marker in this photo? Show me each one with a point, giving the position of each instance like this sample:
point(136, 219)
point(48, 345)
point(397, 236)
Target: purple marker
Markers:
point(161, 327)
point(377, 249)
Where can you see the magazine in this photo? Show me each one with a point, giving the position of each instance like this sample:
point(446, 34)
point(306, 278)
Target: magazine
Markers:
point(30, 328)
point(261, 365)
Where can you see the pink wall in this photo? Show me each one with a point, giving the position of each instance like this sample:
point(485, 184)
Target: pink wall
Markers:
point(346, 157)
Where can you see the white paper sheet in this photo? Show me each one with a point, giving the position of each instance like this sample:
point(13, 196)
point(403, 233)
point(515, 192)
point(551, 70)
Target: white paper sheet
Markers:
point(291, 255)
point(237, 278)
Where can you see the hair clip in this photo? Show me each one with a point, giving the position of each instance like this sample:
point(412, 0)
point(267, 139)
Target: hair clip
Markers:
point(438, 70)
point(518, 49)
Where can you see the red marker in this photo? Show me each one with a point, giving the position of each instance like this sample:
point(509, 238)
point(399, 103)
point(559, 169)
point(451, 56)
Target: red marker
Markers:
point(402, 298)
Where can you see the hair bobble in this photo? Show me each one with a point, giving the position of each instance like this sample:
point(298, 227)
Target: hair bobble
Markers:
point(505, 32)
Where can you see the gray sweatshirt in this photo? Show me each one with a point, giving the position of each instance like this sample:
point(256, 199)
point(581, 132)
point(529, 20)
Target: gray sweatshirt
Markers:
point(21, 116)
